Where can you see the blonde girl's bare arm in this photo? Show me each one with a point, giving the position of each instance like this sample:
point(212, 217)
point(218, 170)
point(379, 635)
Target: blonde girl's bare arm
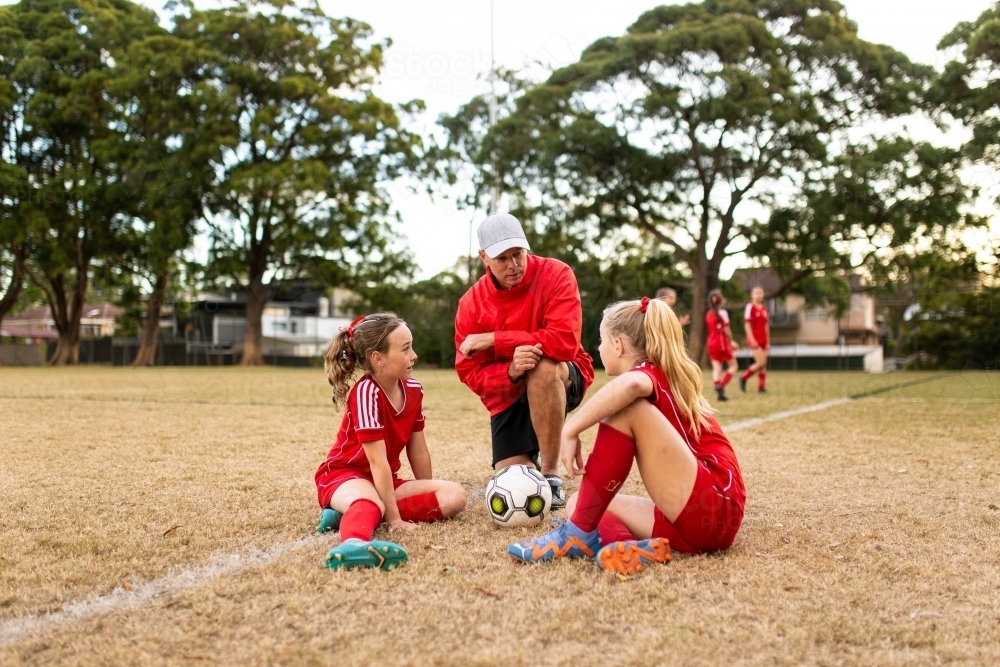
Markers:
point(382, 476)
point(419, 456)
point(612, 398)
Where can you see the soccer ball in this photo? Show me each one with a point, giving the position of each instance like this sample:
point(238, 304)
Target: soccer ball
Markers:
point(518, 495)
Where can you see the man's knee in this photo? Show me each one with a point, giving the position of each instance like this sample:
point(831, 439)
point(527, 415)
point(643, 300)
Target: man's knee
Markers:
point(548, 371)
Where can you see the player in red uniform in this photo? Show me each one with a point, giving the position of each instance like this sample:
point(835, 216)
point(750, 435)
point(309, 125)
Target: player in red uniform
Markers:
point(720, 343)
point(758, 339)
point(653, 412)
point(358, 483)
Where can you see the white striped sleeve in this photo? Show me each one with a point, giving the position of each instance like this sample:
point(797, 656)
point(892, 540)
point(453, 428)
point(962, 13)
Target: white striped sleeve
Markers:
point(748, 312)
point(366, 397)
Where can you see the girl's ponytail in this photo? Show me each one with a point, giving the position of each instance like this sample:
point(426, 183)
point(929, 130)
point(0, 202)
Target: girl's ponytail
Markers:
point(340, 362)
point(656, 334)
point(715, 300)
point(665, 347)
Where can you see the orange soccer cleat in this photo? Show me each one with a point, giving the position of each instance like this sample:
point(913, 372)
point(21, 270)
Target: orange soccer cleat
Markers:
point(630, 556)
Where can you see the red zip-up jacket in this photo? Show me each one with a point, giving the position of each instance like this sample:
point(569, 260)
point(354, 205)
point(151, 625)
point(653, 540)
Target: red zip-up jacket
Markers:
point(543, 308)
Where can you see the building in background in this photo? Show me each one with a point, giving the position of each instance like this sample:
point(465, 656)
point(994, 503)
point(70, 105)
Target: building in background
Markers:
point(36, 324)
point(814, 337)
point(298, 322)
point(795, 323)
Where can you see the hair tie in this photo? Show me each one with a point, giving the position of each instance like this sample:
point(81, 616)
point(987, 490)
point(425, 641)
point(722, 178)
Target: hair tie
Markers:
point(643, 304)
point(354, 325)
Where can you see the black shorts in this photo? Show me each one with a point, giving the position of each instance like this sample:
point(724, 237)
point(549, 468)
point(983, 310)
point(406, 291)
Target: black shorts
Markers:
point(513, 433)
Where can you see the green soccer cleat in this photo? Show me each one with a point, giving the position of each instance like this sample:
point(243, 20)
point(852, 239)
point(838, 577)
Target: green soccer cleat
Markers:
point(329, 519)
point(352, 553)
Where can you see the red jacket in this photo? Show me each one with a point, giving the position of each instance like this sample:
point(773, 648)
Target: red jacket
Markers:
point(543, 308)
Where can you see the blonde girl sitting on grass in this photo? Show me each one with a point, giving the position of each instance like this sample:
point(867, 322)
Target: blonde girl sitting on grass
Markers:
point(653, 412)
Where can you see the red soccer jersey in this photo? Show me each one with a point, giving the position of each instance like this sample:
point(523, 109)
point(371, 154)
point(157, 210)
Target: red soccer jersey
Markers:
point(370, 416)
point(716, 323)
point(756, 319)
point(711, 448)
point(543, 308)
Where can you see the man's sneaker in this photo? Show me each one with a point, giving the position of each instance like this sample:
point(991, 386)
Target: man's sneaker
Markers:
point(558, 492)
point(721, 394)
point(329, 519)
point(762, 391)
point(743, 385)
point(631, 556)
point(353, 553)
point(566, 541)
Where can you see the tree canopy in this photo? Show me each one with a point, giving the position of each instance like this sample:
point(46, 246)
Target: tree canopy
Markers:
point(61, 142)
point(304, 150)
point(699, 122)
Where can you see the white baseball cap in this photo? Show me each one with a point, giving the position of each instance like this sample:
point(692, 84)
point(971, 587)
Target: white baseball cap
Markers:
point(500, 232)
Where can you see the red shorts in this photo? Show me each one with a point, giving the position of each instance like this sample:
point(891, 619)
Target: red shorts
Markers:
point(759, 346)
point(709, 521)
point(722, 356)
point(329, 479)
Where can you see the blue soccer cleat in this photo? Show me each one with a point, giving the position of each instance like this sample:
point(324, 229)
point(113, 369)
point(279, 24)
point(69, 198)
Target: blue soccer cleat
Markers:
point(630, 556)
point(352, 553)
point(329, 519)
point(566, 541)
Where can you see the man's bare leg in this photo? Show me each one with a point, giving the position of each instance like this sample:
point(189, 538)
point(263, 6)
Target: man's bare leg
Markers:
point(522, 459)
point(546, 386)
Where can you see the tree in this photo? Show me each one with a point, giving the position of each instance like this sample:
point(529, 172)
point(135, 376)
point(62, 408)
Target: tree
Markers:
point(173, 121)
point(306, 148)
point(13, 178)
point(65, 143)
point(969, 87)
point(698, 119)
point(879, 202)
point(925, 279)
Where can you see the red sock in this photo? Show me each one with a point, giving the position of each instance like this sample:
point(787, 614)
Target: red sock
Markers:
point(761, 380)
point(749, 374)
point(607, 468)
point(422, 508)
point(360, 520)
point(726, 379)
point(613, 529)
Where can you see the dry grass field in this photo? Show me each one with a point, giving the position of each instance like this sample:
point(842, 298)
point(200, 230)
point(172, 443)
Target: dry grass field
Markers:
point(166, 517)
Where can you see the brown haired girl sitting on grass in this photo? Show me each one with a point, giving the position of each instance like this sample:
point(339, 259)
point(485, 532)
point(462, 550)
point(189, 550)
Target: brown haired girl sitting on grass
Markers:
point(357, 484)
point(653, 412)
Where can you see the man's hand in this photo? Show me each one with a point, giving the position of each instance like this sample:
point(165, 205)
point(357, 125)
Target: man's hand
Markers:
point(684, 320)
point(525, 358)
point(751, 343)
point(475, 342)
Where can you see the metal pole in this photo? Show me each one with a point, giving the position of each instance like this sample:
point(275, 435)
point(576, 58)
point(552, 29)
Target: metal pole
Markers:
point(495, 188)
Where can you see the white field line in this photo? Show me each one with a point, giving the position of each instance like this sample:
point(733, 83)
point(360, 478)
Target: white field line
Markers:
point(228, 564)
point(13, 630)
point(747, 423)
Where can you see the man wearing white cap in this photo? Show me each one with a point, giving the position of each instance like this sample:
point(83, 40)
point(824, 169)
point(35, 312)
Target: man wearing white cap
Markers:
point(517, 334)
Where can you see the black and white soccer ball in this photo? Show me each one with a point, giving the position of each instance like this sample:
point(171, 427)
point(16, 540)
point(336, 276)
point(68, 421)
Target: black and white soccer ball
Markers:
point(518, 495)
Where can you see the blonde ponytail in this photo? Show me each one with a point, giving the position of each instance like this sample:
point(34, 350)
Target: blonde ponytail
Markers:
point(340, 362)
point(657, 335)
point(665, 348)
point(351, 348)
